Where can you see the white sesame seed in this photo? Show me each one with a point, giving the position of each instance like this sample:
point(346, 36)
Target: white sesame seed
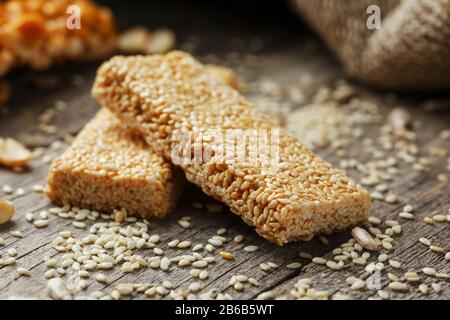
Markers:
point(164, 265)
point(125, 289)
point(195, 273)
point(16, 233)
point(203, 275)
point(429, 271)
point(12, 252)
point(398, 286)
point(200, 264)
point(406, 215)
point(194, 287)
point(333, 265)
point(173, 243)
point(238, 286)
point(408, 208)
point(167, 284)
point(359, 261)
point(51, 263)
point(83, 273)
point(51, 273)
point(394, 264)
point(29, 217)
point(439, 217)
point(442, 275)
point(423, 288)
point(101, 278)
point(23, 272)
point(154, 238)
point(79, 224)
point(58, 290)
point(105, 265)
point(265, 295)
point(319, 260)
point(7, 189)
point(215, 242)
point(436, 287)
point(425, 241)
point(358, 285)
point(40, 223)
point(392, 277)
point(305, 255)
point(387, 245)
point(184, 224)
point(251, 248)
point(374, 220)
point(294, 265)
point(364, 238)
point(44, 214)
point(253, 281)
point(383, 294)
point(221, 231)
point(37, 188)
point(184, 244)
point(238, 238)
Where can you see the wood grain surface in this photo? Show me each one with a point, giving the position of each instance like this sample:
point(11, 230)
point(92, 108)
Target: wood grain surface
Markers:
point(288, 53)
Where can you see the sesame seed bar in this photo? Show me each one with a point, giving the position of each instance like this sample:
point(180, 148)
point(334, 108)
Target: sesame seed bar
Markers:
point(162, 95)
point(110, 167)
point(39, 33)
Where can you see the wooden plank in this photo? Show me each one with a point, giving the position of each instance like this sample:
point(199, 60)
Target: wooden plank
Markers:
point(288, 55)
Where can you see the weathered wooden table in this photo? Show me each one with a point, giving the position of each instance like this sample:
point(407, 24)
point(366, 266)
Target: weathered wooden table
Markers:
point(288, 54)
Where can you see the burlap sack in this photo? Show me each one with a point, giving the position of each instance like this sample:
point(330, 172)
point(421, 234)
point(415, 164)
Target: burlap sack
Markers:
point(411, 51)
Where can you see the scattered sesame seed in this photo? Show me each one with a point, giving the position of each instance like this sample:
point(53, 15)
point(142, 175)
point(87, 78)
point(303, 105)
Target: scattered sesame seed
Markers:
point(23, 272)
point(395, 264)
point(40, 223)
point(437, 249)
point(406, 215)
point(184, 224)
point(16, 233)
point(364, 238)
point(423, 288)
point(358, 284)
point(294, 265)
point(226, 255)
point(383, 294)
point(398, 286)
point(436, 287)
point(319, 260)
point(429, 271)
point(425, 241)
point(251, 248)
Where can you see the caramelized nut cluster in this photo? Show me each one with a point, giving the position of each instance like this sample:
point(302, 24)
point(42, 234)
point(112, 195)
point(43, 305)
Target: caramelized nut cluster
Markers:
point(38, 33)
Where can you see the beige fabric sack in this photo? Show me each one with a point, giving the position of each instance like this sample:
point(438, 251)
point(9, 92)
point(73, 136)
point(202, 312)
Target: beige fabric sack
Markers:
point(411, 51)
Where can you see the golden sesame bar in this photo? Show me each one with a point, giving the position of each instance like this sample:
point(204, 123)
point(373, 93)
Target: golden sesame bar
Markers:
point(38, 33)
point(111, 167)
point(162, 95)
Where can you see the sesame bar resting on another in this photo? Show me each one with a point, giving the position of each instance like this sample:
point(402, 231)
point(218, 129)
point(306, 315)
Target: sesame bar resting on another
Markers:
point(163, 95)
point(110, 167)
point(39, 33)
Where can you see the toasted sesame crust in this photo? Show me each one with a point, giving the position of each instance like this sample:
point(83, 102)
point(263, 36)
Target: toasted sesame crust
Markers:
point(162, 94)
point(110, 167)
